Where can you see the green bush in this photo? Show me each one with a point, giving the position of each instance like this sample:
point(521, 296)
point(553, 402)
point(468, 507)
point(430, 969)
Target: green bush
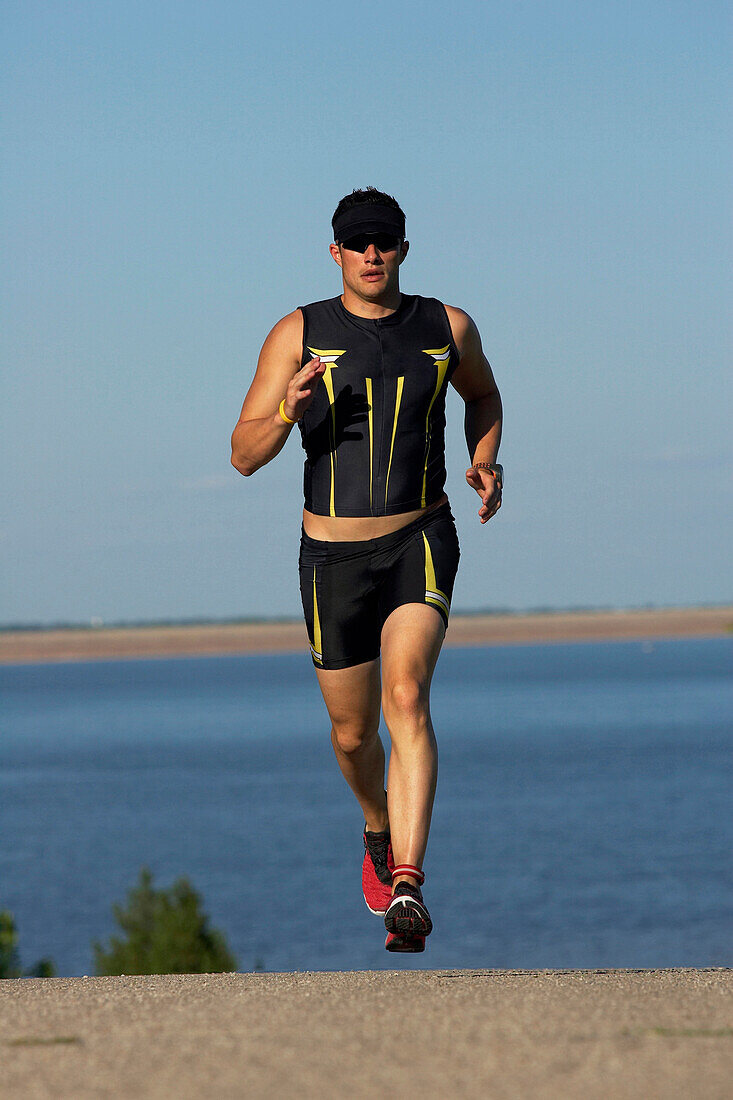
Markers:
point(9, 957)
point(166, 934)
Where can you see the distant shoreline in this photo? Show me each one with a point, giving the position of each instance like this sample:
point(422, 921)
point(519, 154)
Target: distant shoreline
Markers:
point(200, 639)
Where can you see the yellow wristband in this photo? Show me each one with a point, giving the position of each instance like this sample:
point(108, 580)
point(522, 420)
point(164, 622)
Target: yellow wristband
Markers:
point(281, 410)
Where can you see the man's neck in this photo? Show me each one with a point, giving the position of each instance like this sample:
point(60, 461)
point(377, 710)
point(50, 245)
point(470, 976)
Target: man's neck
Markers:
point(382, 307)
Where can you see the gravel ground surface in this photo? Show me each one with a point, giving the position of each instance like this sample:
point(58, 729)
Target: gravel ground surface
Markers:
point(534, 1035)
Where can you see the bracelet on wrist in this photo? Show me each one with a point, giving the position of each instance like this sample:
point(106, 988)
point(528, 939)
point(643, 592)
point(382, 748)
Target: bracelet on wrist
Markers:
point(285, 417)
point(496, 471)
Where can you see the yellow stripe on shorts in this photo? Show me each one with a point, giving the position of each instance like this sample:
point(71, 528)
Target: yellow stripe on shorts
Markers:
point(433, 594)
point(316, 644)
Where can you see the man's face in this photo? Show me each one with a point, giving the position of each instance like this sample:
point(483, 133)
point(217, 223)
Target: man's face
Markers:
point(370, 263)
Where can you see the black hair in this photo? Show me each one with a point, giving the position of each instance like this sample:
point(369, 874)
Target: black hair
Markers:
point(368, 194)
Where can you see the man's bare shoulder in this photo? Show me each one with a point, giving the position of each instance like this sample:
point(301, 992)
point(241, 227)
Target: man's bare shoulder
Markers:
point(278, 361)
point(473, 377)
point(461, 324)
point(287, 333)
point(456, 314)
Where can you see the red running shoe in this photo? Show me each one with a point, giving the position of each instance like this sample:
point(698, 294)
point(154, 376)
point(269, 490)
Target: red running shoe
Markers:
point(376, 871)
point(411, 944)
point(407, 916)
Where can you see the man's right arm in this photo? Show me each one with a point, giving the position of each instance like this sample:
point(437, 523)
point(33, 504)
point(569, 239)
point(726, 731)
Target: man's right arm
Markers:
point(261, 432)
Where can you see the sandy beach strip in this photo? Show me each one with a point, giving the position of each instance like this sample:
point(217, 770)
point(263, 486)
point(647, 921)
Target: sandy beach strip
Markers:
point(504, 1034)
point(23, 646)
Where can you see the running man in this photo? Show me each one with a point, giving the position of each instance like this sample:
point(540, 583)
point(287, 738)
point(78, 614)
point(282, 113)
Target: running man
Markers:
point(364, 376)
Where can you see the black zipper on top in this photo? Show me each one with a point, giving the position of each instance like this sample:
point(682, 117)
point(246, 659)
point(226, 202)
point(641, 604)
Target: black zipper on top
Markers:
point(377, 495)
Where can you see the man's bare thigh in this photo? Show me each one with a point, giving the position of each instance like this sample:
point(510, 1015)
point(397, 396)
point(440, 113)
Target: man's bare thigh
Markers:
point(352, 695)
point(412, 637)
point(411, 640)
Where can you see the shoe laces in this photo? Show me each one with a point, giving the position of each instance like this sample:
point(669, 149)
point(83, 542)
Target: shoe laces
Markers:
point(377, 845)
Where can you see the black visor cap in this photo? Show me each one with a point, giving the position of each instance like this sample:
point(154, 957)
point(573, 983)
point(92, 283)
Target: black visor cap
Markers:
point(367, 217)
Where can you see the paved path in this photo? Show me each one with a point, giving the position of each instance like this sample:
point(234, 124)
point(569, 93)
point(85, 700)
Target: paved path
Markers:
point(489, 1034)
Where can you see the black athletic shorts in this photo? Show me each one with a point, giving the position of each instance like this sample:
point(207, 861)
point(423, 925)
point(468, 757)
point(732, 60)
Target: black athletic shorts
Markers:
point(349, 588)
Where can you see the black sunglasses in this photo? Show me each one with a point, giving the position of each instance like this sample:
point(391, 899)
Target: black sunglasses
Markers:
point(383, 242)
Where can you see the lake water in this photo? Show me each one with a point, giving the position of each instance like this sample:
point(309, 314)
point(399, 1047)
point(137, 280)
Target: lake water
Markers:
point(583, 815)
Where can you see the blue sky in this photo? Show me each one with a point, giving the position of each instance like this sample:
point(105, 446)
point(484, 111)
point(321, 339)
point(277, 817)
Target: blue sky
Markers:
point(169, 178)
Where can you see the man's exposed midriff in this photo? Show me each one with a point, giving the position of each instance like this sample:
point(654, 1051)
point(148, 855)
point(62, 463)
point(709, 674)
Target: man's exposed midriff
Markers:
point(358, 528)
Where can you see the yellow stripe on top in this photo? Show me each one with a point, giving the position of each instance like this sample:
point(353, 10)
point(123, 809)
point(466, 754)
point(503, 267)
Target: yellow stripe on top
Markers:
point(433, 594)
point(316, 647)
point(329, 357)
point(328, 382)
point(441, 359)
point(370, 414)
point(400, 384)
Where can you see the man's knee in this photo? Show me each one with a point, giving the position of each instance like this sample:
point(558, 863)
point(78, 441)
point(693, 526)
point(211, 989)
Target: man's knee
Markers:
point(406, 697)
point(350, 736)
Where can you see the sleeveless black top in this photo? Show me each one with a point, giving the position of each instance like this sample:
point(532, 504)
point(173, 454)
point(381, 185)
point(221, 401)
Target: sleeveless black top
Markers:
point(374, 434)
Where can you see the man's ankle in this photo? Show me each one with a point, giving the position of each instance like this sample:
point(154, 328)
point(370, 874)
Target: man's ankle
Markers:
point(411, 880)
point(378, 822)
point(409, 873)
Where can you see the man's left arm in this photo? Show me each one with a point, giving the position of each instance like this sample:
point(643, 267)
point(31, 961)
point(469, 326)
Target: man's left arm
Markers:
point(474, 381)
